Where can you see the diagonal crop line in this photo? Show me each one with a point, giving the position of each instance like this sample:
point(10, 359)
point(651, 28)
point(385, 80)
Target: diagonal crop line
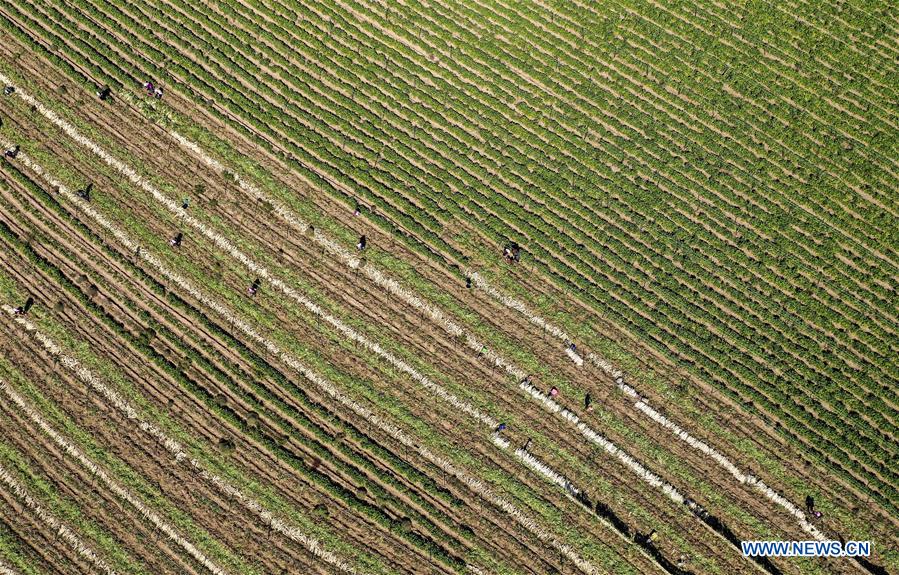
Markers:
point(53, 523)
point(257, 268)
point(6, 569)
point(173, 447)
point(476, 485)
point(263, 272)
point(349, 259)
point(648, 476)
point(122, 493)
point(455, 330)
point(744, 478)
point(653, 414)
point(589, 433)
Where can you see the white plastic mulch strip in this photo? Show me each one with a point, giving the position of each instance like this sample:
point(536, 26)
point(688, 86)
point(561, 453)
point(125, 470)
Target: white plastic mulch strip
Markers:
point(652, 413)
point(6, 569)
point(724, 462)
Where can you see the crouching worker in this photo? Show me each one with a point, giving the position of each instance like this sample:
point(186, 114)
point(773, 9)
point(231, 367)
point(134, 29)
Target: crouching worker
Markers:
point(23, 309)
point(175, 242)
point(361, 245)
point(85, 193)
point(104, 93)
point(12, 152)
point(253, 288)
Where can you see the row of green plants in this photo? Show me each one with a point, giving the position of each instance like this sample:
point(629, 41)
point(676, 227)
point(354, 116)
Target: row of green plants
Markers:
point(386, 510)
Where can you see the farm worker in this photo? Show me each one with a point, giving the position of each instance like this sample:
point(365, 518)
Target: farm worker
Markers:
point(85, 193)
point(254, 288)
point(358, 210)
point(501, 427)
point(12, 152)
point(527, 380)
point(818, 514)
point(483, 350)
point(572, 347)
point(8, 90)
point(149, 87)
point(361, 245)
point(22, 310)
point(185, 203)
point(104, 93)
point(468, 283)
point(176, 241)
point(587, 402)
point(157, 93)
point(554, 391)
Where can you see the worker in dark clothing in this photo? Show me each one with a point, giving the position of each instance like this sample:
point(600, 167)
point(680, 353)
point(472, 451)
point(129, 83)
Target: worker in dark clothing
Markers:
point(23, 309)
point(85, 193)
point(8, 90)
point(12, 152)
point(588, 402)
point(104, 93)
point(500, 428)
point(512, 252)
point(185, 203)
point(176, 241)
point(468, 283)
point(361, 245)
point(254, 288)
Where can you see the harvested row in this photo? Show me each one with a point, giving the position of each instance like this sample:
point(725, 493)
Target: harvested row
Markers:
point(159, 437)
point(145, 256)
point(593, 435)
point(216, 436)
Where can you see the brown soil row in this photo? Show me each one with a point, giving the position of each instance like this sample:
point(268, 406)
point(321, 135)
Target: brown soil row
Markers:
point(538, 413)
point(32, 540)
point(244, 454)
point(75, 484)
point(223, 518)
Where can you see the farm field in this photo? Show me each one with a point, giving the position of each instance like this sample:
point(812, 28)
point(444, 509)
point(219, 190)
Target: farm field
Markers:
point(214, 377)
